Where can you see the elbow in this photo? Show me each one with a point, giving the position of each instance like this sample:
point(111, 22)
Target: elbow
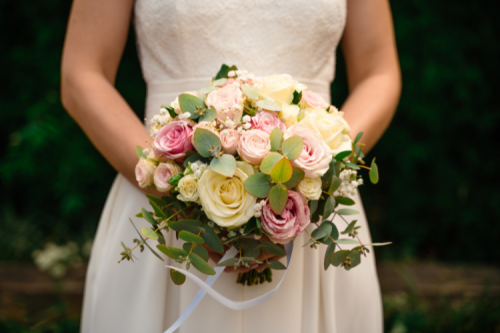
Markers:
point(67, 89)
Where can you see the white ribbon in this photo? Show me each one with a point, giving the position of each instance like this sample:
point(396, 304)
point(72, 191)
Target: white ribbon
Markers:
point(206, 287)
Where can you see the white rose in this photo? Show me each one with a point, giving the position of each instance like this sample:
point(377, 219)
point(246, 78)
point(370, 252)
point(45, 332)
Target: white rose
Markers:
point(175, 103)
point(188, 188)
point(289, 114)
point(278, 88)
point(144, 172)
point(224, 199)
point(332, 128)
point(310, 188)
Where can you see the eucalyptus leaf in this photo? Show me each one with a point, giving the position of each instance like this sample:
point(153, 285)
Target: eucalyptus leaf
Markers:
point(190, 237)
point(355, 260)
point(343, 154)
point(347, 241)
point(206, 142)
point(191, 104)
point(345, 201)
point(374, 172)
point(209, 115)
point(378, 244)
point(269, 105)
point(327, 227)
point(335, 184)
point(292, 147)
point(157, 210)
point(278, 197)
point(144, 242)
point(198, 249)
point(148, 217)
point(349, 228)
point(250, 91)
point(347, 211)
point(177, 277)
point(192, 226)
point(276, 137)
point(228, 262)
point(333, 170)
point(140, 153)
point(297, 176)
point(201, 264)
point(272, 248)
point(224, 165)
point(206, 90)
point(219, 82)
point(282, 171)
point(149, 233)
point(269, 162)
point(253, 249)
point(313, 206)
point(276, 265)
point(329, 251)
point(351, 165)
point(329, 207)
point(250, 226)
point(159, 202)
point(334, 234)
point(211, 239)
point(172, 252)
point(338, 257)
point(319, 211)
point(358, 137)
point(318, 234)
point(258, 185)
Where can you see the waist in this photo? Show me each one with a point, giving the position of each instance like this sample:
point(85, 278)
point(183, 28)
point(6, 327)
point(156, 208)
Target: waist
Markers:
point(165, 92)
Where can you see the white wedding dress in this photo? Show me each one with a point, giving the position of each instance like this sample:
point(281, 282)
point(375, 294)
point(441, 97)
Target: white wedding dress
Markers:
point(182, 44)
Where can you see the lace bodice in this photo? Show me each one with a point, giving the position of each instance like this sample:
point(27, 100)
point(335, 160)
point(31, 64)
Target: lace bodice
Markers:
point(180, 39)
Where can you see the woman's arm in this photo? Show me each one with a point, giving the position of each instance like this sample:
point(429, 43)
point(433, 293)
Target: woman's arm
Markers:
point(373, 70)
point(96, 36)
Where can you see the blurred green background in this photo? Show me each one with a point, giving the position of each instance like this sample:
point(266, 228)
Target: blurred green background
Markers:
point(437, 199)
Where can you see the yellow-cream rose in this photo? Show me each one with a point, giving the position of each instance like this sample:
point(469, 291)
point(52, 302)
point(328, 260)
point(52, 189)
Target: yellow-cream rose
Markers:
point(224, 199)
point(289, 114)
point(278, 88)
point(188, 188)
point(332, 128)
point(310, 188)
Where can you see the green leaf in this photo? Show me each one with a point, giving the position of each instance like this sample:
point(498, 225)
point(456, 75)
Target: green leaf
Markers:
point(292, 147)
point(319, 211)
point(345, 201)
point(191, 104)
point(278, 197)
point(157, 210)
point(297, 176)
point(205, 91)
point(343, 154)
point(282, 171)
point(269, 162)
point(224, 70)
point(329, 207)
point(378, 244)
point(374, 172)
point(276, 265)
point(170, 110)
point(313, 206)
point(148, 217)
point(253, 249)
point(224, 165)
point(198, 249)
point(159, 202)
point(329, 251)
point(211, 239)
point(209, 115)
point(144, 242)
point(258, 185)
point(219, 82)
point(192, 226)
point(358, 137)
point(195, 158)
point(206, 142)
point(318, 234)
point(333, 170)
point(269, 105)
point(335, 184)
point(347, 241)
point(272, 248)
point(351, 165)
point(190, 237)
point(177, 277)
point(140, 154)
point(175, 179)
point(347, 211)
point(149, 233)
point(172, 252)
point(201, 264)
point(355, 260)
point(228, 262)
point(297, 96)
point(338, 257)
point(276, 137)
point(327, 227)
point(259, 224)
point(250, 92)
point(250, 226)
point(334, 234)
point(349, 228)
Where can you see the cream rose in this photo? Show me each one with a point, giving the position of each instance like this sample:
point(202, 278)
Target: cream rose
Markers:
point(289, 114)
point(278, 88)
point(310, 188)
point(228, 101)
point(224, 199)
point(229, 139)
point(144, 172)
point(312, 100)
point(332, 128)
point(163, 173)
point(254, 145)
point(188, 188)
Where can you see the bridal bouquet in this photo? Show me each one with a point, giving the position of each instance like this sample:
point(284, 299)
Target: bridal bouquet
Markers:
point(250, 163)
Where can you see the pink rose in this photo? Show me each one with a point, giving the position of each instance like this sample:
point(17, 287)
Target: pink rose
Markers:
point(316, 156)
point(291, 222)
point(229, 139)
point(163, 173)
point(174, 140)
point(313, 100)
point(227, 101)
point(202, 125)
point(144, 171)
point(254, 145)
point(266, 121)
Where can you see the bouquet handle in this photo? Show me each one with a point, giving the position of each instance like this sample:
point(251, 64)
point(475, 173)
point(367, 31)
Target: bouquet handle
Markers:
point(206, 287)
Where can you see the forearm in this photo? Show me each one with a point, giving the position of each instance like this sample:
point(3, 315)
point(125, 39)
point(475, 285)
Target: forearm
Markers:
point(106, 119)
point(370, 106)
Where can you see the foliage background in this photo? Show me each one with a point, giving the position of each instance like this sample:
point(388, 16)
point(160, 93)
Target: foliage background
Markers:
point(438, 195)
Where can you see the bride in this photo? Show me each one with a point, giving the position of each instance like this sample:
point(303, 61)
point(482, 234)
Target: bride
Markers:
point(181, 45)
